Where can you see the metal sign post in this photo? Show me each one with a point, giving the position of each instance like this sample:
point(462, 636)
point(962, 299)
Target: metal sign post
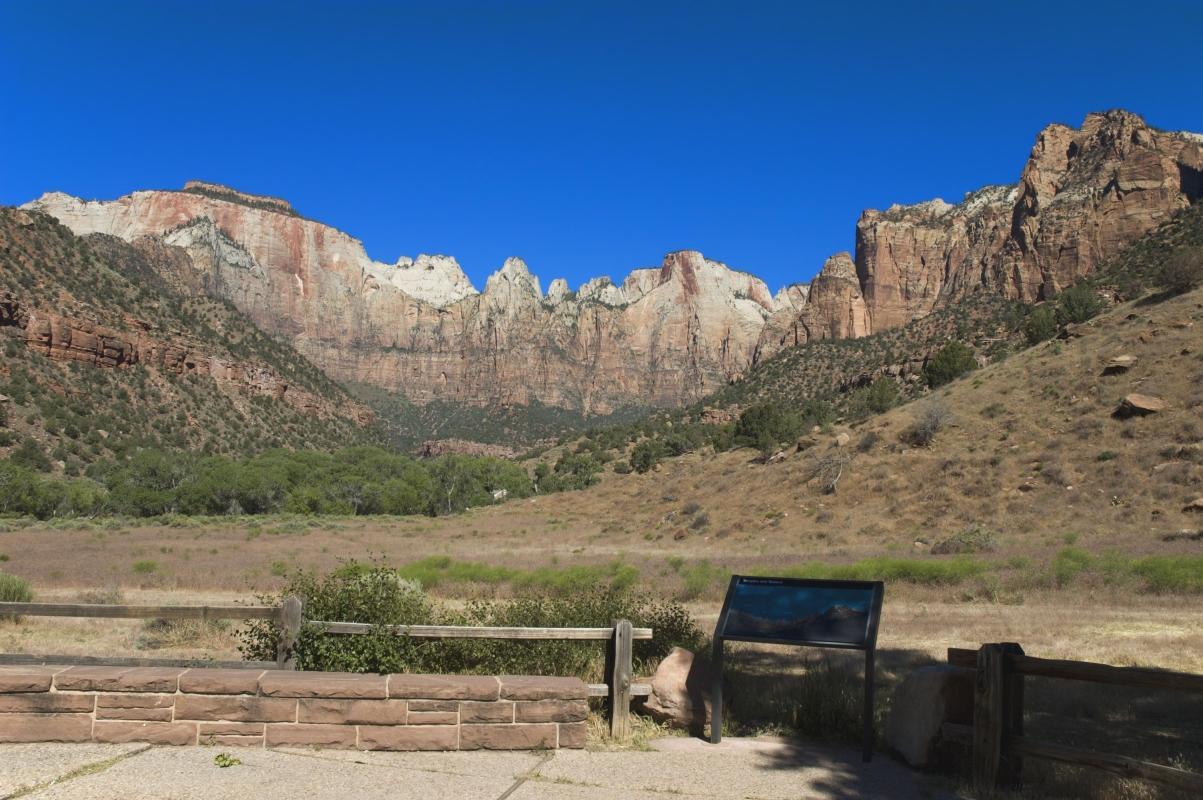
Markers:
point(806, 613)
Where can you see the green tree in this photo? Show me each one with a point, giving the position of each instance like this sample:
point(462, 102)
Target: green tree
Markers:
point(647, 454)
point(1041, 325)
point(767, 425)
point(1078, 304)
point(954, 360)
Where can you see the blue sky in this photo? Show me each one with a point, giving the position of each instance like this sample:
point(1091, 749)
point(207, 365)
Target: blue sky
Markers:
point(588, 138)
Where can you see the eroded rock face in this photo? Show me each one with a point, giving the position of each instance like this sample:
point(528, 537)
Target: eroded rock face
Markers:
point(666, 336)
point(663, 336)
point(66, 338)
point(1083, 194)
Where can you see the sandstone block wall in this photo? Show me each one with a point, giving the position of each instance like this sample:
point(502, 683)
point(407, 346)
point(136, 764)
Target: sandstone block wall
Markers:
point(290, 709)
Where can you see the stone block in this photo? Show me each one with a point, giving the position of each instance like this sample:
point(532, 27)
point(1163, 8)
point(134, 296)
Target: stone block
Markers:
point(443, 687)
point(551, 711)
point(501, 711)
point(25, 679)
point(573, 734)
point(442, 737)
point(221, 681)
point(434, 705)
point(535, 687)
point(508, 737)
point(432, 718)
point(143, 714)
point(352, 712)
point(45, 727)
point(235, 708)
point(286, 683)
point(46, 703)
point(231, 728)
point(285, 735)
point(118, 679)
point(177, 733)
point(135, 700)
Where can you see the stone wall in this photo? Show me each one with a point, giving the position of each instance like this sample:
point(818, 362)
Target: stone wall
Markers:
point(290, 709)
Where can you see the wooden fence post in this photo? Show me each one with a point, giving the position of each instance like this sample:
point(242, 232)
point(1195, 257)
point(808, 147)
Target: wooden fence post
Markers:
point(290, 628)
point(1011, 773)
point(618, 674)
point(988, 719)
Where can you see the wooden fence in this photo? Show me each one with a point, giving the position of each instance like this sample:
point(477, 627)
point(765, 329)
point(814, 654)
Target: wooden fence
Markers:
point(619, 687)
point(996, 736)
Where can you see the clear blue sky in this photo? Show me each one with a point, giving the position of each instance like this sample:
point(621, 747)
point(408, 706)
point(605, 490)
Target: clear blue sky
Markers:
point(587, 137)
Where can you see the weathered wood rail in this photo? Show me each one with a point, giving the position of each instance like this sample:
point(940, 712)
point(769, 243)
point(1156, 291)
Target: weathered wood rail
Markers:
point(996, 736)
point(619, 687)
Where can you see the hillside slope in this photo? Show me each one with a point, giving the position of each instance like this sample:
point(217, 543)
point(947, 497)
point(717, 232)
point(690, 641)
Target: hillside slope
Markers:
point(1032, 452)
point(101, 356)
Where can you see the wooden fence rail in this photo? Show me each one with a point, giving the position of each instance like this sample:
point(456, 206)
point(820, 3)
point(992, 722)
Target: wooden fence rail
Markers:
point(619, 687)
point(279, 614)
point(996, 736)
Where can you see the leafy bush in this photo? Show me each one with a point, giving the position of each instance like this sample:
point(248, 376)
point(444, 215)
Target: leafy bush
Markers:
point(647, 454)
point(1182, 271)
point(904, 570)
point(879, 396)
point(1041, 325)
point(954, 360)
point(380, 596)
point(1078, 304)
point(767, 425)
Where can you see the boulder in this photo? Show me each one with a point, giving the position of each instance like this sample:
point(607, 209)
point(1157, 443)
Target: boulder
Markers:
point(923, 702)
point(1117, 365)
point(1139, 405)
point(842, 439)
point(1195, 506)
point(681, 691)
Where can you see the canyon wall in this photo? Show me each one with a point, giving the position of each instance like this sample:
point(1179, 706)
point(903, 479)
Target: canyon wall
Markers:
point(664, 336)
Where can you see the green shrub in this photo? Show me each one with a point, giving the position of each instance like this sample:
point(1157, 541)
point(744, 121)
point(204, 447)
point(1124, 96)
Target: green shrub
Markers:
point(954, 360)
point(380, 596)
point(1041, 325)
point(1182, 271)
point(1078, 304)
point(145, 567)
point(766, 426)
point(1069, 563)
point(1166, 574)
point(647, 454)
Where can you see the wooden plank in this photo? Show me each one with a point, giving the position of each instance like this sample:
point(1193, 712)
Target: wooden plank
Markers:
point(137, 612)
point(291, 611)
point(1140, 677)
point(1011, 770)
point(480, 632)
point(1119, 765)
point(961, 657)
point(988, 720)
point(120, 661)
point(620, 681)
point(603, 690)
point(1104, 673)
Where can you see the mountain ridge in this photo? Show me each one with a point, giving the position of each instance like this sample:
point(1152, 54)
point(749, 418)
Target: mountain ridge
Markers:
point(669, 335)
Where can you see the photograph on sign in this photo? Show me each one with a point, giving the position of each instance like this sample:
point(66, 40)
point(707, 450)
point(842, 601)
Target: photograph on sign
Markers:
point(798, 611)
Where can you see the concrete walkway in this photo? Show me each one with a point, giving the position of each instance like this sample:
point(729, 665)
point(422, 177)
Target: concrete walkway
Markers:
point(747, 769)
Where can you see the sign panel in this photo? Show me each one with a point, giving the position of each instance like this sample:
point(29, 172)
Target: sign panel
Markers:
point(802, 612)
point(810, 613)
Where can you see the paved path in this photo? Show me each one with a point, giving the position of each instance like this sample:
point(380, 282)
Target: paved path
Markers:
point(747, 769)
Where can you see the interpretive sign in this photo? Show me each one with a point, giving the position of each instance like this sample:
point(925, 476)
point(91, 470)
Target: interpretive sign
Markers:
point(810, 613)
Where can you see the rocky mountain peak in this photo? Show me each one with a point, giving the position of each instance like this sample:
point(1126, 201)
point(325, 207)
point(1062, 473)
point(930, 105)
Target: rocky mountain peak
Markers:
point(436, 279)
point(514, 277)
